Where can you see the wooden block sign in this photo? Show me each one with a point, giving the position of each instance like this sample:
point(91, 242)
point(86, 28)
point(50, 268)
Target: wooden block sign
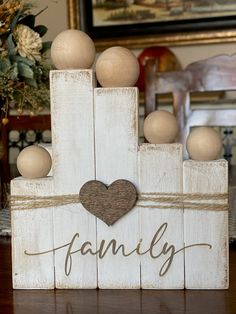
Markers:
point(32, 231)
point(160, 171)
point(116, 146)
point(206, 266)
point(72, 110)
point(116, 214)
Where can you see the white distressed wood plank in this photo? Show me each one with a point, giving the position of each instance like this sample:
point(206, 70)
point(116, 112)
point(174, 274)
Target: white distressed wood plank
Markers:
point(116, 144)
point(160, 171)
point(32, 231)
point(48, 147)
point(73, 165)
point(206, 268)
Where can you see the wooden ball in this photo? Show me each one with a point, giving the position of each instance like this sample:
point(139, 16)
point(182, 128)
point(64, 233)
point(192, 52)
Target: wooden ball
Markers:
point(34, 162)
point(73, 49)
point(117, 67)
point(160, 127)
point(204, 143)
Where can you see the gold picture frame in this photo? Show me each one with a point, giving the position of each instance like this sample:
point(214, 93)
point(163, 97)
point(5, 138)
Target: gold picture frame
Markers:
point(136, 42)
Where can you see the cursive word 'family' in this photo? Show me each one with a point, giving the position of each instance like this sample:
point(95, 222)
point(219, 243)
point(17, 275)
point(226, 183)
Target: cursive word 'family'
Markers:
point(155, 249)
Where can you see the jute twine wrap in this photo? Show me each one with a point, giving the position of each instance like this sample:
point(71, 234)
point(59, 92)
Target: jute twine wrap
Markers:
point(214, 202)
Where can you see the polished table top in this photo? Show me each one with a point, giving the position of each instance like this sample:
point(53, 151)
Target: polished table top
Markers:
point(112, 301)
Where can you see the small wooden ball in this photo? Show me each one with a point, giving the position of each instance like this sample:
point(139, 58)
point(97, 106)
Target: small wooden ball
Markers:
point(204, 143)
point(160, 127)
point(34, 162)
point(117, 67)
point(72, 49)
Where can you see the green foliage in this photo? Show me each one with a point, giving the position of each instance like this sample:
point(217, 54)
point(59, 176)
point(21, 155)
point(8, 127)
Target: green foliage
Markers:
point(46, 46)
point(11, 45)
point(28, 20)
point(23, 79)
point(41, 30)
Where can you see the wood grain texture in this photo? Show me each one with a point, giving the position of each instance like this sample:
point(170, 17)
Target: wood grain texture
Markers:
point(95, 136)
point(108, 203)
point(206, 268)
point(160, 171)
point(113, 301)
point(73, 155)
point(116, 144)
point(32, 230)
point(48, 147)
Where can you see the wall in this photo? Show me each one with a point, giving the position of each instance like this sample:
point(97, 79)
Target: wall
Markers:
point(55, 18)
point(190, 54)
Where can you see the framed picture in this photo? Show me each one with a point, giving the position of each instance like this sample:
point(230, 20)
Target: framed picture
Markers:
point(138, 23)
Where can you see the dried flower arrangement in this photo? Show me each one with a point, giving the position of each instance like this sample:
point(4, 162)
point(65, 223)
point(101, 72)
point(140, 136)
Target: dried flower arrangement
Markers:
point(23, 63)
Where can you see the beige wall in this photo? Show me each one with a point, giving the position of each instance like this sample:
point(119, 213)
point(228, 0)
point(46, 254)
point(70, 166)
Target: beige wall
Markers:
point(55, 18)
point(190, 54)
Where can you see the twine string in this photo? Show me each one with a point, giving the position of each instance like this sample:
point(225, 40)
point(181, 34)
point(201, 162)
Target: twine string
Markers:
point(193, 201)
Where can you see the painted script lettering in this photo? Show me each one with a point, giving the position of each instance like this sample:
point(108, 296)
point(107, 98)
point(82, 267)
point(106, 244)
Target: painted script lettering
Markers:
point(167, 250)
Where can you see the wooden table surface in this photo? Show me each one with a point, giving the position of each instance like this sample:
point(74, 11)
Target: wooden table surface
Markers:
point(112, 301)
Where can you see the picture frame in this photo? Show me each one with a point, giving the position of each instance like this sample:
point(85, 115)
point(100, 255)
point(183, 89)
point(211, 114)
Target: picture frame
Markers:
point(175, 32)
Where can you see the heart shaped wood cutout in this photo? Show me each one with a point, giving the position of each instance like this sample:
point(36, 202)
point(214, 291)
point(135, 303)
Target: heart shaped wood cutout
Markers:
point(108, 203)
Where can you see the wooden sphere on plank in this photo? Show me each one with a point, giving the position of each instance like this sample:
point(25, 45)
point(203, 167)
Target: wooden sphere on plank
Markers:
point(34, 162)
point(73, 49)
point(117, 67)
point(204, 144)
point(160, 127)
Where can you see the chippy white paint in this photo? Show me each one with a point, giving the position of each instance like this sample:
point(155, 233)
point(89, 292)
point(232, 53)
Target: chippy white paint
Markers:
point(206, 269)
point(116, 146)
point(32, 230)
point(95, 136)
point(73, 165)
point(160, 171)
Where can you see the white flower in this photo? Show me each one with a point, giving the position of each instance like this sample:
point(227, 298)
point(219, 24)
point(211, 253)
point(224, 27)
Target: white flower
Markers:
point(28, 42)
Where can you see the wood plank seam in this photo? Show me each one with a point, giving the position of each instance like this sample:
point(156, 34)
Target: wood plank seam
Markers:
point(135, 166)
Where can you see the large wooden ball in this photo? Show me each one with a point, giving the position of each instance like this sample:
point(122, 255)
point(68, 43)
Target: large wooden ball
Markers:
point(160, 127)
point(204, 143)
point(72, 49)
point(117, 67)
point(34, 162)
